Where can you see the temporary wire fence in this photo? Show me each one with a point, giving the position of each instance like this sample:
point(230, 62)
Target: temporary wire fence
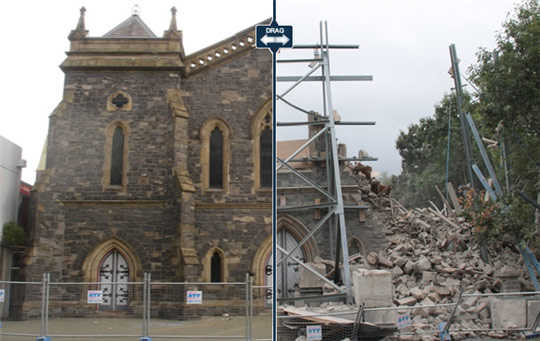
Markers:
point(521, 312)
point(138, 310)
point(261, 312)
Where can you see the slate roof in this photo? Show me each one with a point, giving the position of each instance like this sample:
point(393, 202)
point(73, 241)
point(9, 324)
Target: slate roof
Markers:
point(132, 27)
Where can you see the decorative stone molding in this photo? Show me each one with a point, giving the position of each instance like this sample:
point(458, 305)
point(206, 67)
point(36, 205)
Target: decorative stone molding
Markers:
point(189, 256)
point(109, 132)
point(80, 31)
point(93, 261)
point(296, 228)
point(258, 124)
point(115, 203)
point(119, 100)
point(233, 205)
point(207, 265)
point(184, 180)
point(221, 51)
point(262, 256)
point(206, 130)
point(176, 103)
point(260, 260)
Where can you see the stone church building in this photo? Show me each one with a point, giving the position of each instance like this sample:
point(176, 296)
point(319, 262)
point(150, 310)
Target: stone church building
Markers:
point(155, 161)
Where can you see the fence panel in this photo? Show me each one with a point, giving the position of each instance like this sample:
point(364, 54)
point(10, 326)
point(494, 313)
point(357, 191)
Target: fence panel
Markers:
point(112, 311)
point(20, 309)
point(262, 313)
point(198, 310)
point(95, 309)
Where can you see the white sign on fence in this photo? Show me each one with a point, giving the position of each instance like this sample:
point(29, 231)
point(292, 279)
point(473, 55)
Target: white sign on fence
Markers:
point(314, 333)
point(2, 295)
point(403, 321)
point(194, 297)
point(95, 296)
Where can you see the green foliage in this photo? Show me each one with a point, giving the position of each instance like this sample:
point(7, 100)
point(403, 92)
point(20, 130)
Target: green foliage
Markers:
point(12, 234)
point(423, 149)
point(506, 108)
point(509, 218)
point(508, 79)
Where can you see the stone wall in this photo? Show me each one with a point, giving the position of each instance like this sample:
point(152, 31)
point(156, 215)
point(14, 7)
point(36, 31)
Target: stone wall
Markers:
point(75, 210)
point(238, 218)
point(365, 225)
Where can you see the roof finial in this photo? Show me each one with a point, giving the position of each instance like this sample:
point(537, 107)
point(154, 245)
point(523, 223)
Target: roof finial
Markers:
point(80, 31)
point(172, 26)
point(80, 24)
point(173, 32)
point(136, 9)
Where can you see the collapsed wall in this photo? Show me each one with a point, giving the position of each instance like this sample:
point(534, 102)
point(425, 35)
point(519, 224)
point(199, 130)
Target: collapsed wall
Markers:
point(429, 256)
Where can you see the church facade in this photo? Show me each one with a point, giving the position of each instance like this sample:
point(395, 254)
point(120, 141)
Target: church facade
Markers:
point(155, 161)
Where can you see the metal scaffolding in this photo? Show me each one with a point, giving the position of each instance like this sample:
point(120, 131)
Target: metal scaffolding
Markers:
point(332, 189)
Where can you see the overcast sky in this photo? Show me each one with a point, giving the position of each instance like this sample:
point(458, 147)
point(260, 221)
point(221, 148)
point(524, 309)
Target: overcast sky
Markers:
point(35, 40)
point(404, 45)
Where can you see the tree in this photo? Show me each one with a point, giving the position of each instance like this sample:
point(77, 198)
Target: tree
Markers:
point(12, 234)
point(508, 79)
point(423, 148)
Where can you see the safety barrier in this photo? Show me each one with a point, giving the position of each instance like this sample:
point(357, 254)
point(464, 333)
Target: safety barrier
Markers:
point(135, 310)
point(506, 315)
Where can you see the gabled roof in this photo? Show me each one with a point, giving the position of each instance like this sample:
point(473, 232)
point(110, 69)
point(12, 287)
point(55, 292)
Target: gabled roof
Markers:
point(225, 49)
point(284, 149)
point(132, 27)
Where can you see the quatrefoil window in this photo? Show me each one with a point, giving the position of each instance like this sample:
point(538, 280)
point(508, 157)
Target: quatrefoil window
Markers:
point(120, 100)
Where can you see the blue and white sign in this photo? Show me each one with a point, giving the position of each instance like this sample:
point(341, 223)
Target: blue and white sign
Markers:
point(314, 333)
point(194, 297)
point(274, 36)
point(403, 321)
point(95, 296)
point(2, 295)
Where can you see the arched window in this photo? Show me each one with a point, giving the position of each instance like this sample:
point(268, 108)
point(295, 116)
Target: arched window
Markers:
point(216, 273)
point(215, 266)
point(215, 155)
point(216, 158)
point(266, 156)
point(261, 134)
point(117, 157)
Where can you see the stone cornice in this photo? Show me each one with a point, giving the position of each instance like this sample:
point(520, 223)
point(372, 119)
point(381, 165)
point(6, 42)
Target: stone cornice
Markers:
point(123, 203)
point(234, 205)
point(223, 50)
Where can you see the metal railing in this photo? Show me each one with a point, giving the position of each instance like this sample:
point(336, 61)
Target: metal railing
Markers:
point(438, 312)
point(144, 310)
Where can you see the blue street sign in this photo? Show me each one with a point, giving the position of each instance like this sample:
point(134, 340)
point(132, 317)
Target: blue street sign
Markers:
point(274, 36)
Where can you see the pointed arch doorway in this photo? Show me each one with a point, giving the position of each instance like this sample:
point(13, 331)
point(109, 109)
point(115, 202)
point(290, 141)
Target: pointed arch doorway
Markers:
point(287, 272)
point(113, 277)
point(113, 265)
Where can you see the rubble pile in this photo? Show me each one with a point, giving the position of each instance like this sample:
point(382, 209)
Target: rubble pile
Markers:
point(430, 256)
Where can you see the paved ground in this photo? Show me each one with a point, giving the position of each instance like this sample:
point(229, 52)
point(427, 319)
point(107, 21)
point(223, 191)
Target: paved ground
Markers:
point(208, 326)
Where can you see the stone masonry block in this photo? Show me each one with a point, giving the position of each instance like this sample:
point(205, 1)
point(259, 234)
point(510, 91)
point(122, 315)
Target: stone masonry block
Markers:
point(381, 316)
point(533, 309)
point(373, 287)
point(508, 313)
point(310, 280)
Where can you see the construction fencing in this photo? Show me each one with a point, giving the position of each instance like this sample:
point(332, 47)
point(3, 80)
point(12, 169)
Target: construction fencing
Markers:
point(134, 310)
point(473, 316)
